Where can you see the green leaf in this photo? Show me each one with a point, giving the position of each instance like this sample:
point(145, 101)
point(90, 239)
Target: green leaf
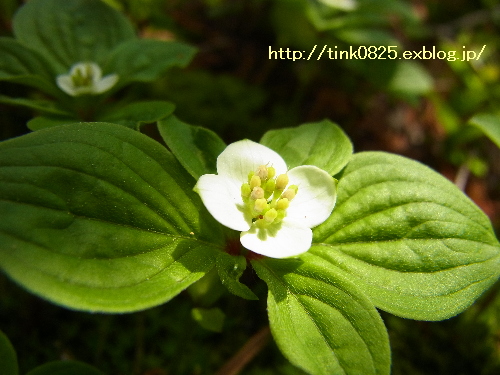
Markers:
point(195, 147)
point(21, 65)
point(65, 32)
point(322, 144)
point(321, 321)
point(146, 60)
point(210, 319)
point(230, 269)
point(407, 237)
point(42, 122)
point(410, 78)
point(65, 368)
point(45, 106)
point(134, 115)
point(489, 124)
point(99, 217)
point(8, 357)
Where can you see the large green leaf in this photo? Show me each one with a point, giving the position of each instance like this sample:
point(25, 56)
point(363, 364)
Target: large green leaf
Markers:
point(100, 217)
point(195, 147)
point(407, 237)
point(65, 368)
point(321, 321)
point(322, 144)
point(8, 357)
point(489, 125)
point(145, 60)
point(24, 66)
point(69, 31)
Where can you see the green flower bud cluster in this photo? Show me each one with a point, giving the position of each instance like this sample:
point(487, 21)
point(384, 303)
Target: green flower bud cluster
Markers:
point(83, 76)
point(267, 197)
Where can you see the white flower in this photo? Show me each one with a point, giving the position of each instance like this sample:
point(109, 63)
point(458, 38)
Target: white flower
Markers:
point(273, 208)
point(85, 78)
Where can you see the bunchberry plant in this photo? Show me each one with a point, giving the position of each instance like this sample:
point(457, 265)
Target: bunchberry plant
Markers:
point(98, 217)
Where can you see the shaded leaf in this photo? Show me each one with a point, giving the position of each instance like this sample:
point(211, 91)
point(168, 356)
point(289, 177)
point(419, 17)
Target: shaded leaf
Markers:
point(42, 122)
point(8, 357)
point(210, 319)
point(133, 115)
point(321, 321)
point(69, 31)
point(409, 238)
point(100, 217)
point(65, 368)
point(24, 66)
point(45, 106)
point(146, 60)
point(230, 269)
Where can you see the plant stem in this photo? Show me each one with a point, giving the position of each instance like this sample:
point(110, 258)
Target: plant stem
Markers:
point(247, 352)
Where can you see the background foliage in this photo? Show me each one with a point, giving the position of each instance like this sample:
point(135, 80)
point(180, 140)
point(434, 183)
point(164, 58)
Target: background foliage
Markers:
point(416, 108)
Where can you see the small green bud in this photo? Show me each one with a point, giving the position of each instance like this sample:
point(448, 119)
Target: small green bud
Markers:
point(271, 172)
point(281, 182)
point(270, 186)
point(245, 190)
point(254, 181)
point(260, 205)
point(270, 215)
point(283, 204)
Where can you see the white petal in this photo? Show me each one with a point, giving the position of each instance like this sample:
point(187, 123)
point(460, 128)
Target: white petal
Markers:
point(287, 241)
point(222, 198)
point(65, 83)
point(105, 83)
point(95, 69)
point(315, 198)
point(243, 157)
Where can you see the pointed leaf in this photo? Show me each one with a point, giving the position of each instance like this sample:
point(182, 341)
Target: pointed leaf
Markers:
point(410, 239)
point(322, 144)
point(195, 147)
point(322, 322)
point(100, 217)
point(69, 31)
point(146, 60)
point(489, 124)
point(8, 357)
point(133, 115)
point(230, 269)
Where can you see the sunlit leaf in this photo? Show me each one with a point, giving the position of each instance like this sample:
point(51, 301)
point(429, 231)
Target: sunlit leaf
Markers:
point(322, 144)
point(100, 217)
point(321, 321)
point(407, 237)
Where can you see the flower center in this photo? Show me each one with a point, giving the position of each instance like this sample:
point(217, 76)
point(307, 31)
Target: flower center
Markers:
point(83, 76)
point(266, 196)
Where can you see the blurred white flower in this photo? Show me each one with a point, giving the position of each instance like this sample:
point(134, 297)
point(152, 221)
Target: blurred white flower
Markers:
point(85, 78)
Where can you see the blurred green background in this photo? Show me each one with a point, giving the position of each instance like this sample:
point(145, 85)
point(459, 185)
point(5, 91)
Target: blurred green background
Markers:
point(417, 108)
